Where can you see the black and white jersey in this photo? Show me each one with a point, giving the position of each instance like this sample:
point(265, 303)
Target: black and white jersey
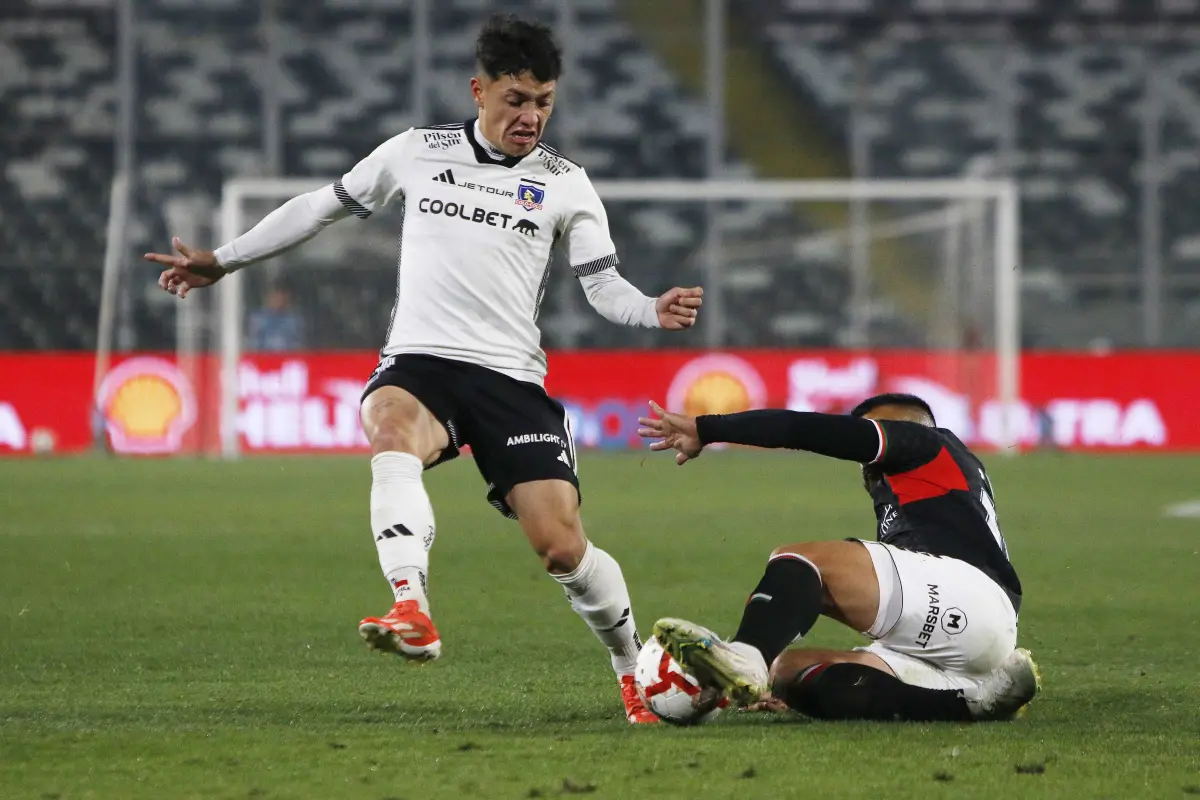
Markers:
point(476, 241)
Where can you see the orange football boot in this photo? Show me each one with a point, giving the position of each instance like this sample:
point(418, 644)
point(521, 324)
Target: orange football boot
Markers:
point(635, 710)
point(404, 631)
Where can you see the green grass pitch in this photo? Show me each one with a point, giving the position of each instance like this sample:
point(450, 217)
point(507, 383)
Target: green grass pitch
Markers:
point(178, 629)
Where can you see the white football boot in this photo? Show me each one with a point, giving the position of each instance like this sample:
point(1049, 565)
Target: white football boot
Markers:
point(1007, 689)
point(736, 669)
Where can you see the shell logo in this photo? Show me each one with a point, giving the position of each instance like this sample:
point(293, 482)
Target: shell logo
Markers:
point(716, 384)
point(148, 405)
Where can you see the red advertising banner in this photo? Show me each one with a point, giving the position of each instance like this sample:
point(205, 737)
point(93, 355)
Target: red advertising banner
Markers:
point(308, 402)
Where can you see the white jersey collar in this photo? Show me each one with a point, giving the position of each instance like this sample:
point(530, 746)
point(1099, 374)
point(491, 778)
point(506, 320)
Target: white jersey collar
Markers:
point(494, 152)
point(485, 151)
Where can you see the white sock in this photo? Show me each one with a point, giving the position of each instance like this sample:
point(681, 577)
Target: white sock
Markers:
point(402, 524)
point(597, 592)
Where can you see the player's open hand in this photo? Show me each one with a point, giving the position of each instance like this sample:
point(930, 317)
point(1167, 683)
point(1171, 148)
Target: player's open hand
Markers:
point(677, 309)
point(674, 432)
point(190, 269)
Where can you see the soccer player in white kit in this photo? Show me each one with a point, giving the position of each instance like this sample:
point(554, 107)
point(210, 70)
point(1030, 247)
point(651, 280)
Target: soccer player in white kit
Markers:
point(483, 204)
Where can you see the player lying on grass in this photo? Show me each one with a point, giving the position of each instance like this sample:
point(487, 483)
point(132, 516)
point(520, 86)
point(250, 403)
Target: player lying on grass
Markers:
point(483, 203)
point(936, 592)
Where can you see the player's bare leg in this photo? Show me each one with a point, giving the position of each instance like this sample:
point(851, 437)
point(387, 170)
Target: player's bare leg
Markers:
point(549, 514)
point(861, 685)
point(837, 580)
point(801, 582)
point(405, 437)
point(792, 663)
point(857, 685)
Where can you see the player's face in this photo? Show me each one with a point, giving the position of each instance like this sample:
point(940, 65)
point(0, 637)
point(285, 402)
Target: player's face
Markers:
point(513, 110)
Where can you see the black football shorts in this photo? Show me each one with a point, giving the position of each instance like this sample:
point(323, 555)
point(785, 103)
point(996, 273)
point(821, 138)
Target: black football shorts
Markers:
point(517, 433)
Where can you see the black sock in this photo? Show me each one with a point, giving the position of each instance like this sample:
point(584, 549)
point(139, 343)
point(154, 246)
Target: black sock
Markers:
point(856, 691)
point(784, 605)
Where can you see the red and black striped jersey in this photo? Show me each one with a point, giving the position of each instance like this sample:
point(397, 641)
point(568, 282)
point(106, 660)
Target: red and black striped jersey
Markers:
point(933, 495)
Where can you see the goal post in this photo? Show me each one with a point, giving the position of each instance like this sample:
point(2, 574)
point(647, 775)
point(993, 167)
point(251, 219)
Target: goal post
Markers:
point(966, 229)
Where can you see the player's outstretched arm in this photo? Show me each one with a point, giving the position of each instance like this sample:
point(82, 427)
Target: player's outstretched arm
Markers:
point(866, 441)
point(293, 223)
point(619, 301)
point(370, 185)
point(593, 258)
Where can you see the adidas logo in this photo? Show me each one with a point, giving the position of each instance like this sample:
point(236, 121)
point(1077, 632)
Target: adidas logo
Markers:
point(393, 532)
point(563, 458)
point(445, 177)
point(624, 618)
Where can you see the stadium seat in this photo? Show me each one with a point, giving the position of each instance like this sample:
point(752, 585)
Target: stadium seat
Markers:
point(344, 85)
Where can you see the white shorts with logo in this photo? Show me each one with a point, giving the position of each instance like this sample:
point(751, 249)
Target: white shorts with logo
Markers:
point(942, 623)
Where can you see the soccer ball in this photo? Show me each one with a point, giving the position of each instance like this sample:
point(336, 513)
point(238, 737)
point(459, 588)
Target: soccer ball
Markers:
point(667, 688)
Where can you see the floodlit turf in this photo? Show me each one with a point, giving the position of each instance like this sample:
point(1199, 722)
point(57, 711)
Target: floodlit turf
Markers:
point(176, 629)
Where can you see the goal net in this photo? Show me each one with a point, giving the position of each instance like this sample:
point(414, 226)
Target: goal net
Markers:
point(856, 287)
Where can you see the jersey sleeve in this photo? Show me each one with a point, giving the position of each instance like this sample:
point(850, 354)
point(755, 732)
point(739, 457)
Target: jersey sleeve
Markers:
point(905, 446)
point(376, 180)
point(293, 223)
point(618, 300)
point(586, 240)
point(893, 446)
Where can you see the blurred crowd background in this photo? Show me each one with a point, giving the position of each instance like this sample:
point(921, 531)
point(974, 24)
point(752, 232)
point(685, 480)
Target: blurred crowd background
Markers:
point(1093, 106)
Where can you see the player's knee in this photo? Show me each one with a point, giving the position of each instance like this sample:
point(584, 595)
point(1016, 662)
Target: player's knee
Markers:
point(811, 553)
point(402, 434)
point(549, 515)
point(395, 421)
point(802, 549)
point(787, 665)
point(836, 690)
point(838, 562)
point(394, 436)
point(560, 547)
point(807, 695)
point(780, 677)
point(561, 560)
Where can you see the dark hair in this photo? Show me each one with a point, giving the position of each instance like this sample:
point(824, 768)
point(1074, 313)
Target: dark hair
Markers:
point(892, 399)
point(508, 45)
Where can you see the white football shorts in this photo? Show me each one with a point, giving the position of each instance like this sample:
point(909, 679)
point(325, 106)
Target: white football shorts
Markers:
point(942, 623)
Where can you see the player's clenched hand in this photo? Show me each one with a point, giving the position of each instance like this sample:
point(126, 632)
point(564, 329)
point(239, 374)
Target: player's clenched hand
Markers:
point(190, 269)
point(674, 432)
point(677, 308)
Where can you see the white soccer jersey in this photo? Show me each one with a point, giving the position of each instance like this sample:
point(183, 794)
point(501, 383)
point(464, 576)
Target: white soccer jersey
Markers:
point(476, 241)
